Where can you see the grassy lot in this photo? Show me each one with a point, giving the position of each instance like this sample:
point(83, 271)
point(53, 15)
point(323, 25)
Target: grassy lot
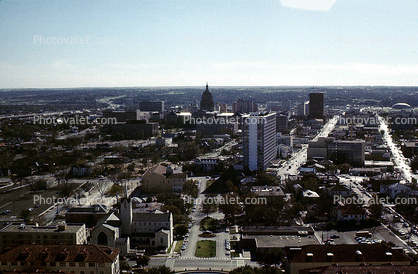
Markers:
point(205, 248)
point(178, 246)
point(208, 224)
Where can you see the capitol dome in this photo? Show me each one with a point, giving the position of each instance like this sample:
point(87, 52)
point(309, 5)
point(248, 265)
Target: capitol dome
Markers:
point(401, 106)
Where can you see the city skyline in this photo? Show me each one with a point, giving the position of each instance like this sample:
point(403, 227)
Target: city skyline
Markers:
point(234, 43)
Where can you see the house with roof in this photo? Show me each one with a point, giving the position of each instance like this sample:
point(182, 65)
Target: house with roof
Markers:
point(159, 179)
point(398, 190)
point(339, 190)
point(350, 212)
point(82, 259)
point(310, 194)
point(315, 256)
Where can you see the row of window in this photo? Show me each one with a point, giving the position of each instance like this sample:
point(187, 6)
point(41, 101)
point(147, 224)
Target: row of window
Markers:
point(70, 264)
point(20, 236)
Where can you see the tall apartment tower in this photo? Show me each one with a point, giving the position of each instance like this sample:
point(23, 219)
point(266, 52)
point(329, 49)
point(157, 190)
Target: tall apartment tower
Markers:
point(316, 105)
point(259, 140)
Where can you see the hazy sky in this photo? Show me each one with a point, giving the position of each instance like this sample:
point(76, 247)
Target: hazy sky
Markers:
point(119, 43)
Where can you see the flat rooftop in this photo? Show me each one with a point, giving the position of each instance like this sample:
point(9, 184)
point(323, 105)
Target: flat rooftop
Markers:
point(40, 229)
point(280, 241)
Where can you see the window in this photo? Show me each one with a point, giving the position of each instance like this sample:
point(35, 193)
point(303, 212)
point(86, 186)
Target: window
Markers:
point(22, 263)
point(45, 236)
point(3, 263)
point(92, 272)
point(91, 264)
point(81, 272)
point(42, 263)
point(101, 264)
point(82, 265)
point(62, 264)
point(101, 272)
point(52, 264)
point(72, 264)
point(14, 264)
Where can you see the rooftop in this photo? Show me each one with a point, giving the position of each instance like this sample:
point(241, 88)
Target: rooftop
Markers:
point(61, 252)
point(40, 229)
point(345, 253)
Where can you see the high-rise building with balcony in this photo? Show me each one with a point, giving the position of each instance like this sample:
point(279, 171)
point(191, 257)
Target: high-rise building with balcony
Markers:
point(259, 140)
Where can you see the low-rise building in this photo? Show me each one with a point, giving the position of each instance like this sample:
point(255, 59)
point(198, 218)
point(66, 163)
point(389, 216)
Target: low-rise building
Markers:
point(313, 256)
point(89, 215)
point(350, 212)
point(80, 259)
point(159, 179)
point(339, 190)
point(17, 234)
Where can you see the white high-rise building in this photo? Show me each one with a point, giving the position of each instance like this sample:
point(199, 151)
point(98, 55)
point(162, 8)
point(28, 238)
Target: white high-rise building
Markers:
point(259, 140)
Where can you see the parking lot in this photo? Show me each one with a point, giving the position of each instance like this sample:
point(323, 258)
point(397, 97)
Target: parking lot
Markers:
point(378, 234)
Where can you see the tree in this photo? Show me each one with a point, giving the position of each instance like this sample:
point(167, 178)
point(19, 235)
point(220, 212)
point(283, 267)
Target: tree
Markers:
point(272, 256)
point(229, 186)
point(25, 215)
point(208, 208)
point(116, 191)
point(142, 260)
point(376, 209)
point(265, 179)
point(181, 230)
point(124, 265)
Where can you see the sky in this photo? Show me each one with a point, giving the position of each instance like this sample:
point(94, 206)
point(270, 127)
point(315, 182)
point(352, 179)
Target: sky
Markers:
point(136, 43)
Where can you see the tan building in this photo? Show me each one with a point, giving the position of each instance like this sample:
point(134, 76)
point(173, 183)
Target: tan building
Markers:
point(18, 234)
point(159, 179)
point(79, 259)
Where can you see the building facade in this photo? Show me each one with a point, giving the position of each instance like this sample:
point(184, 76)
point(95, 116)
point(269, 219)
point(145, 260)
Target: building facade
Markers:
point(160, 179)
point(243, 106)
point(207, 100)
point(259, 140)
point(146, 225)
point(17, 234)
point(316, 105)
point(79, 259)
point(152, 106)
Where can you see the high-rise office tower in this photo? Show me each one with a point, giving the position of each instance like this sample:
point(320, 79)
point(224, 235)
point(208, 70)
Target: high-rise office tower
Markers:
point(259, 140)
point(316, 105)
point(242, 106)
point(152, 106)
point(207, 100)
point(281, 122)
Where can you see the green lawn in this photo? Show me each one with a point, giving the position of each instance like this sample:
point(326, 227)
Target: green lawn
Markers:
point(208, 224)
point(205, 248)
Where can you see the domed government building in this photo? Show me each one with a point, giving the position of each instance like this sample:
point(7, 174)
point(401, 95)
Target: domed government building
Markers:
point(207, 100)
